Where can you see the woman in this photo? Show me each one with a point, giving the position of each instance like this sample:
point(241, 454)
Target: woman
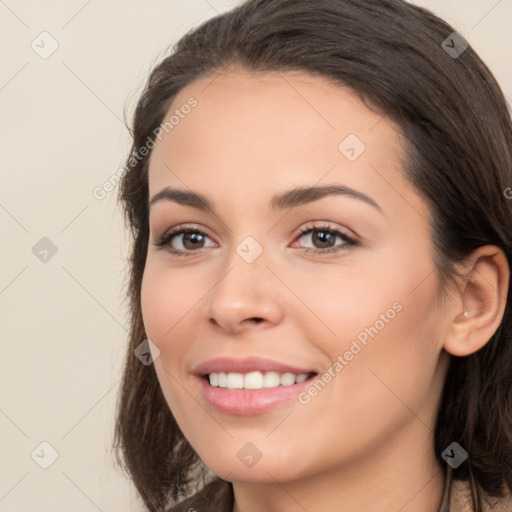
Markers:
point(317, 192)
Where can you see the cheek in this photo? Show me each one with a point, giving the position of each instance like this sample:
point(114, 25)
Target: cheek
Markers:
point(154, 305)
point(159, 315)
point(166, 297)
point(395, 369)
point(348, 307)
point(167, 300)
point(388, 329)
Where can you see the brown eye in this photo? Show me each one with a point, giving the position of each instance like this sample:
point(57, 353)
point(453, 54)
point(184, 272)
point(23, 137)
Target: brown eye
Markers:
point(191, 240)
point(324, 238)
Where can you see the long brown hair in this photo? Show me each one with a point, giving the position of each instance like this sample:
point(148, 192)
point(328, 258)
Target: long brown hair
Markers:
point(459, 145)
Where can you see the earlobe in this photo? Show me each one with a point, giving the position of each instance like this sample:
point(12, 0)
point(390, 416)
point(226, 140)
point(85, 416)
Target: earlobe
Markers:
point(483, 295)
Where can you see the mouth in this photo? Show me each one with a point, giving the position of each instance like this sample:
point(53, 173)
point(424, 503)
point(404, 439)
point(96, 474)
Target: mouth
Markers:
point(251, 385)
point(255, 380)
point(252, 393)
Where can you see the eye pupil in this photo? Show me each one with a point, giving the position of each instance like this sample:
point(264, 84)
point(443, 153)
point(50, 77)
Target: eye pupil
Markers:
point(191, 236)
point(323, 237)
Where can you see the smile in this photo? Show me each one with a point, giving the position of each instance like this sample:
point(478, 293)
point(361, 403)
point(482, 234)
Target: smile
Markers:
point(255, 380)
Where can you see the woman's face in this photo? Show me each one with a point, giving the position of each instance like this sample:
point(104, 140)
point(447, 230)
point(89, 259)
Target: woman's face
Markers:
point(355, 301)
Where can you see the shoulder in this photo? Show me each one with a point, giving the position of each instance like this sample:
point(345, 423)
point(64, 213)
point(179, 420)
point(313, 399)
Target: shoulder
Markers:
point(462, 501)
point(217, 496)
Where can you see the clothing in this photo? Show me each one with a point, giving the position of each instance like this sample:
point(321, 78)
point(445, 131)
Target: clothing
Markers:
point(457, 497)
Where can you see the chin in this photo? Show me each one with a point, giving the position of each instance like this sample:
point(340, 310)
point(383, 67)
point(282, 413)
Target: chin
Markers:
point(260, 471)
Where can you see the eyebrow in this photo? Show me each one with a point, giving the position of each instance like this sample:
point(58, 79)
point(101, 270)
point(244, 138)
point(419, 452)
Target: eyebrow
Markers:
point(288, 199)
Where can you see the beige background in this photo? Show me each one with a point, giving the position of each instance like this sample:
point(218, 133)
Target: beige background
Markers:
point(63, 321)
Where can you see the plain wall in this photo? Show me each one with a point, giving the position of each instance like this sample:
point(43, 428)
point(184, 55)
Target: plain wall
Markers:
point(63, 320)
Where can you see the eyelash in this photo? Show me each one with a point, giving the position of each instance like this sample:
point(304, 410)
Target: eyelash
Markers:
point(349, 242)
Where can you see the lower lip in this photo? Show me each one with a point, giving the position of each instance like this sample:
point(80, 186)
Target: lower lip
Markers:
point(245, 402)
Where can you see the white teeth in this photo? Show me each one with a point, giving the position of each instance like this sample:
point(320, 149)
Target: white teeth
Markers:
point(301, 378)
point(214, 379)
point(222, 380)
point(254, 380)
point(271, 380)
point(235, 380)
point(287, 379)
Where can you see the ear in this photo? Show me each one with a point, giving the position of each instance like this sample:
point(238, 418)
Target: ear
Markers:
point(478, 307)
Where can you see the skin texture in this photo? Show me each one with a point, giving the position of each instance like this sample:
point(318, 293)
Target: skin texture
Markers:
point(252, 136)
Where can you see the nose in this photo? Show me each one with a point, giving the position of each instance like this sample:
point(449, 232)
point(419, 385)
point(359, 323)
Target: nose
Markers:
point(247, 294)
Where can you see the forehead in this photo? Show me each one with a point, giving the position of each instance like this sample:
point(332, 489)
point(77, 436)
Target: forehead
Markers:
point(253, 132)
point(298, 105)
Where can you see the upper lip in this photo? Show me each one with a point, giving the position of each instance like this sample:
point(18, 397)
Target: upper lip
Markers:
point(245, 365)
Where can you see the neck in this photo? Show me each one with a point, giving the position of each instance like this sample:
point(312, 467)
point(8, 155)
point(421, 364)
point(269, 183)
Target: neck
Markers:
point(402, 476)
